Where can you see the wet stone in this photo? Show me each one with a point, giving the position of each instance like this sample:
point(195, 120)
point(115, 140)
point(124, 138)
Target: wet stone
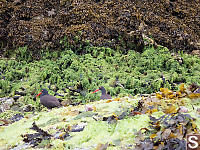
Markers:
point(16, 117)
point(61, 135)
point(28, 108)
point(4, 99)
point(16, 107)
point(16, 97)
point(6, 104)
point(20, 93)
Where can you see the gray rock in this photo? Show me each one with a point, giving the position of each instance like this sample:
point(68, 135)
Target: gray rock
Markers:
point(16, 117)
point(197, 90)
point(21, 147)
point(16, 107)
point(6, 103)
point(28, 108)
point(3, 99)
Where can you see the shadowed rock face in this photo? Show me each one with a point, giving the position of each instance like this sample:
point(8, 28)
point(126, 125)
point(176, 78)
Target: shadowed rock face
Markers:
point(49, 101)
point(117, 24)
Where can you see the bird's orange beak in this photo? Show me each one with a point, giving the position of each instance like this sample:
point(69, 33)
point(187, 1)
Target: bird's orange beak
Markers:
point(39, 94)
point(95, 91)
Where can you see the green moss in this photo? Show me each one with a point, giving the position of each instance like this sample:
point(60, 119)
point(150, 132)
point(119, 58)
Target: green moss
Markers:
point(121, 74)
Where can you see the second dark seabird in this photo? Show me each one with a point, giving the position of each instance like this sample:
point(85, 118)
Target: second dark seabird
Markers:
point(104, 95)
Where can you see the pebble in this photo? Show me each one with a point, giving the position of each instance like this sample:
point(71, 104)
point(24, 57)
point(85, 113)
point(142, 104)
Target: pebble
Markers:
point(183, 109)
point(16, 117)
point(6, 103)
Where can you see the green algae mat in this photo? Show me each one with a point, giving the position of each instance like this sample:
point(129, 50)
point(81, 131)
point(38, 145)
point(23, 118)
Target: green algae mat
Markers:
point(119, 123)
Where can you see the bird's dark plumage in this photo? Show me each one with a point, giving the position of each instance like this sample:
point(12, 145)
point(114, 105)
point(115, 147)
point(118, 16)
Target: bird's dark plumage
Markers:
point(104, 95)
point(47, 100)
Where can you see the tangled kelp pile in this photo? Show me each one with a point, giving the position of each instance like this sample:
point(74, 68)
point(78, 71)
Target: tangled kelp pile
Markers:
point(169, 130)
point(116, 24)
point(70, 77)
point(117, 123)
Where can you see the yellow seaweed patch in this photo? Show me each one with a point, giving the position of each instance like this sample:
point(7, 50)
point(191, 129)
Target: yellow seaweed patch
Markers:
point(170, 109)
point(172, 135)
point(194, 95)
point(172, 96)
point(178, 94)
point(71, 113)
point(116, 99)
point(182, 89)
point(108, 101)
point(166, 92)
point(159, 96)
point(153, 136)
point(150, 111)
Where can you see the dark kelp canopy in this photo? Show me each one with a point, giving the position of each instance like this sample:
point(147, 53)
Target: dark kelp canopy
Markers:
point(118, 24)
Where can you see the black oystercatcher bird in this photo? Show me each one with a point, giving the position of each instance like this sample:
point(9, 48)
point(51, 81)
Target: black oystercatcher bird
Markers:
point(104, 95)
point(47, 100)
